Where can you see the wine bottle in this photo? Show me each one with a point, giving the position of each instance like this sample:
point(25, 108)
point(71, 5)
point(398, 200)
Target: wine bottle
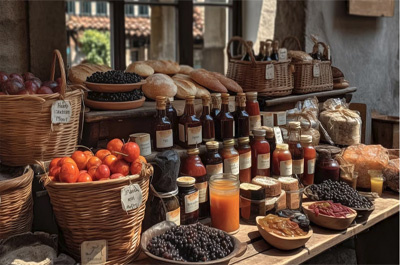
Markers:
point(261, 54)
point(247, 57)
point(275, 48)
point(268, 49)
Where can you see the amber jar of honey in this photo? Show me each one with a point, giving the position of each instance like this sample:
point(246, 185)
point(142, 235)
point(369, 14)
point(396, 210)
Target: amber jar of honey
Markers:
point(190, 129)
point(282, 160)
point(230, 157)
point(207, 122)
point(213, 160)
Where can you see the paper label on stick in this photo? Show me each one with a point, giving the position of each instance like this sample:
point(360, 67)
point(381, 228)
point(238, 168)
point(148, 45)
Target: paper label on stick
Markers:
point(278, 135)
point(61, 111)
point(316, 70)
point(269, 71)
point(131, 197)
point(282, 54)
point(94, 252)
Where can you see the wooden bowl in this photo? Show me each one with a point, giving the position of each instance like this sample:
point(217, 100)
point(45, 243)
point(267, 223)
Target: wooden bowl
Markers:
point(112, 88)
point(124, 105)
point(280, 242)
point(239, 248)
point(335, 223)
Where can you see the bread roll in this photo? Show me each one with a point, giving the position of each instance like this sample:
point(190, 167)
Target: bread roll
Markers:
point(200, 92)
point(140, 68)
point(228, 83)
point(185, 88)
point(167, 67)
point(78, 74)
point(208, 80)
point(185, 69)
point(159, 85)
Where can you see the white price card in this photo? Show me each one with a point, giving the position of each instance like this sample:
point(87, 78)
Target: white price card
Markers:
point(131, 197)
point(269, 71)
point(61, 112)
point(278, 135)
point(316, 70)
point(282, 54)
point(94, 252)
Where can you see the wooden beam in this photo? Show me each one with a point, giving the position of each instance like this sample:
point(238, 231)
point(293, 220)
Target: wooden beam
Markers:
point(185, 32)
point(117, 20)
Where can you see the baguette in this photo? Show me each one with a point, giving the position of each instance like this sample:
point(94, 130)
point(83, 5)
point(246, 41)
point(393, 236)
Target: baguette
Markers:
point(78, 74)
point(200, 92)
point(167, 67)
point(228, 83)
point(208, 80)
point(185, 88)
point(159, 85)
point(185, 69)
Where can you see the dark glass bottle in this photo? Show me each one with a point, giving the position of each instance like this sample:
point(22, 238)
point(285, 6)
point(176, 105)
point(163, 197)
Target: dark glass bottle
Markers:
point(261, 53)
point(275, 51)
point(224, 122)
point(188, 200)
point(162, 133)
point(295, 148)
point(207, 122)
point(242, 120)
point(213, 160)
point(326, 167)
point(244, 151)
point(215, 104)
point(173, 118)
point(190, 131)
point(268, 52)
point(247, 57)
point(270, 136)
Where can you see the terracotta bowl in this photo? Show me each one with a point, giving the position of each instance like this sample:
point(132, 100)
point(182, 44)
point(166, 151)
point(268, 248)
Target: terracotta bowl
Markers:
point(104, 105)
point(110, 88)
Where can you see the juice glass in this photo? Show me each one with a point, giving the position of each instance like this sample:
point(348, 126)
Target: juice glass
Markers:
point(224, 202)
point(376, 181)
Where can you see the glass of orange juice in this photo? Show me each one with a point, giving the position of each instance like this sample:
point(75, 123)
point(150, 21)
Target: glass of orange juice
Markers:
point(376, 181)
point(224, 202)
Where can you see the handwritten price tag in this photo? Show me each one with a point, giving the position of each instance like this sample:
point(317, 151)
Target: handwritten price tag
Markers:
point(316, 70)
point(131, 197)
point(61, 112)
point(94, 252)
point(269, 71)
point(278, 135)
point(282, 54)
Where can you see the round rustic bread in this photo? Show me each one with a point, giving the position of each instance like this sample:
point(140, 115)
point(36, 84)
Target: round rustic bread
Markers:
point(167, 67)
point(159, 85)
point(78, 74)
point(228, 83)
point(185, 69)
point(208, 80)
point(140, 68)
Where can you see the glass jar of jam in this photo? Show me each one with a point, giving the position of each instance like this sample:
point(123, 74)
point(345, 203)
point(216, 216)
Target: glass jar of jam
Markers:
point(252, 202)
point(213, 160)
point(244, 150)
point(253, 109)
point(224, 122)
point(192, 166)
point(309, 160)
point(163, 133)
point(270, 136)
point(282, 160)
point(242, 123)
point(207, 122)
point(190, 130)
point(215, 104)
point(173, 118)
point(296, 149)
point(230, 157)
point(165, 207)
point(326, 167)
point(188, 200)
point(260, 154)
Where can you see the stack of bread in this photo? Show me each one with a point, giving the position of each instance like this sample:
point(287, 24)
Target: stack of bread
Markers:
point(291, 186)
point(275, 197)
point(78, 74)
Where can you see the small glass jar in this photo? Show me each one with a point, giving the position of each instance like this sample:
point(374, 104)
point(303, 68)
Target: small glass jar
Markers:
point(309, 160)
point(213, 160)
point(282, 160)
point(165, 207)
point(188, 200)
point(230, 157)
point(260, 154)
point(244, 150)
point(326, 167)
point(252, 202)
point(224, 202)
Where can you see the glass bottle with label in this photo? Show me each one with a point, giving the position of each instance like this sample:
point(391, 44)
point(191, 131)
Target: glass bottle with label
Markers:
point(213, 160)
point(268, 48)
point(188, 200)
point(270, 136)
point(309, 160)
point(275, 50)
point(244, 150)
point(192, 166)
point(165, 207)
point(242, 122)
point(282, 161)
point(261, 53)
point(163, 134)
point(230, 157)
point(173, 118)
point(296, 149)
point(253, 109)
point(190, 130)
point(260, 154)
point(207, 122)
point(224, 122)
point(215, 104)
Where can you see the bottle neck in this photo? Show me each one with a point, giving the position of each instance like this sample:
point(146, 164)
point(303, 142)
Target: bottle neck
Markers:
point(189, 109)
point(206, 110)
point(224, 107)
point(294, 135)
point(259, 138)
point(161, 112)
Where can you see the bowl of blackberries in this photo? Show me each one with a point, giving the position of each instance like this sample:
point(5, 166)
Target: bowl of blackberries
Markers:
point(190, 244)
point(114, 81)
point(341, 192)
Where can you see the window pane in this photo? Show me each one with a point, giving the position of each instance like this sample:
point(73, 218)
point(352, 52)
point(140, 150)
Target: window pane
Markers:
point(86, 8)
point(101, 8)
point(213, 1)
point(70, 9)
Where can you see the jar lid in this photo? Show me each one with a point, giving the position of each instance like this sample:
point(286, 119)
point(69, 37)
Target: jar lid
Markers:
point(259, 132)
point(251, 95)
point(218, 95)
point(306, 139)
point(282, 146)
point(229, 142)
point(193, 151)
point(161, 102)
point(185, 181)
point(294, 125)
point(212, 145)
point(327, 149)
point(244, 140)
point(252, 191)
point(205, 99)
point(225, 95)
point(165, 194)
point(268, 131)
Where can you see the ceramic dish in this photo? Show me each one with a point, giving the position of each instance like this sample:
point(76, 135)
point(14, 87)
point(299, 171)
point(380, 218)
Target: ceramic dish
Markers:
point(124, 105)
point(110, 88)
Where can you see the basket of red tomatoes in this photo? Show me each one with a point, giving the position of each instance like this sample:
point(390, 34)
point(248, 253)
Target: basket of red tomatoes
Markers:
point(101, 196)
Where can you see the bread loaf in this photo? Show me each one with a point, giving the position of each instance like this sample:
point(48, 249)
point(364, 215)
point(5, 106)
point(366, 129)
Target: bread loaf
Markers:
point(78, 74)
point(289, 183)
point(271, 185)
point(159, 85)
point(299, 56)
point(185, 69)
point(281, 201)
point(201, 91)
point(228, 83)
point(167, 67)
point(185, 88)
point(208, 80)
point(140, 68)
point(293, 200)
point(391, 174)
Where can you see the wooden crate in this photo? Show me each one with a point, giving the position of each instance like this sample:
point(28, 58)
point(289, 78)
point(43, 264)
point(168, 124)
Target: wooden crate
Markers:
point(385, 130)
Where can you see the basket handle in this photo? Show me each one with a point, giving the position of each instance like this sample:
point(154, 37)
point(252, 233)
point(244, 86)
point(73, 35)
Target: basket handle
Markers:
point(292, 38)
point(248, 49)
point(57, 55)
point(323, 44)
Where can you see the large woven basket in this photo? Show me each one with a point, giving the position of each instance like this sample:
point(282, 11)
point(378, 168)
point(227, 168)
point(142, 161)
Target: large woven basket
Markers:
point(304, 80)
point(16, 212)
point(26, 131)
point(250, 75)
point(92, 211)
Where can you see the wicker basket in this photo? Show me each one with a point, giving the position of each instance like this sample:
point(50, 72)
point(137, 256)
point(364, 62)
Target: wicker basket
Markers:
point(250, 75)
point(26, 131)
point(92, 211)
point(304, 80)
point(16, 205)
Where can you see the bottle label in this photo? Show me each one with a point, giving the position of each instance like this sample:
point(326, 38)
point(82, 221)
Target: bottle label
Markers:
point(285, 168)
point(245, 160)
point(232, 104)
point(202, 188)
point(281, 118)
point(255, 122)
point(268, 119)
point(311, 166)
point(278, 135)
point(194, 135)
point(215, 169)
point(164, 139)
point(192, 202)
point(282, 54)
point(269, 71)
point(174, 216)
point(298, 166)
point(231, 165)
point(182, 136)
point(263, 161)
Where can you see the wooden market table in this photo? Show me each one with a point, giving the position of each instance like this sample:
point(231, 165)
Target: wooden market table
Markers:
point(260, 252)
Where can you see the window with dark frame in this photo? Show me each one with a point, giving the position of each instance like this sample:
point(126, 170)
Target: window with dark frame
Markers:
point(101, 8)
point(143, 11)
point(86, 8)
point(70, 7)
point(129, 10)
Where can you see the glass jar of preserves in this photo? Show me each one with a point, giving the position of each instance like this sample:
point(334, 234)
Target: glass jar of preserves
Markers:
point(224, 202)
point(230, 157)
point(165, 207)
point(326, 167)
point(190, 130)
point(242, 120)
point(253, 109)
point(282, 160)
point(252, 202)
point(260, 154)
point(207, 122)
point(309, 160)
point(296, 149)
point(224, 122)
point(215, 104)
point(244, 151)
point(173, 118)
point(213, 160)
point(162, 132)
point(188, 200)
point(270, 136)
point(192, 166)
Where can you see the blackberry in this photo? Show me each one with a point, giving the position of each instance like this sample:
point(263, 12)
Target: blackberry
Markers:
point(114, 77)
point(116, 97)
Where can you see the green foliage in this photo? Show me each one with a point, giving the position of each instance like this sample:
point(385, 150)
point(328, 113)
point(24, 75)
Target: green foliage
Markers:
point(96, 46)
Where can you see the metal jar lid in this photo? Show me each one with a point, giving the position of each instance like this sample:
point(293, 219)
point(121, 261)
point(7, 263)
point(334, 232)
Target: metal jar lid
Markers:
point(185, 181)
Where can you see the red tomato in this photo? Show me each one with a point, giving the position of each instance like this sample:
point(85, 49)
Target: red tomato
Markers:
point(116, 176)
point(115, 145)
point(120, 166)
point(102, 172)
point(136, 167)
point(92, 171)
point(54, 162)
point(102, 153)
point(84, 177)
point(94, 161)
point(82, 171)
point(55, 172)
point(66, 160)
point(69, 173)
point(80, 159)
point(89, 154)
point(132, 151)
point(109, 160)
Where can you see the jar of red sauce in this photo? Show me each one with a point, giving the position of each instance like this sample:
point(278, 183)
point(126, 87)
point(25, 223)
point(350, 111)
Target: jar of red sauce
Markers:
point(230, 157)
point(244, 150)
point(296, 149)
point(282, 160)
point(309, 160)
point(253, 109)
point(213, 160)
point(260, 154)
point(326, 167)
